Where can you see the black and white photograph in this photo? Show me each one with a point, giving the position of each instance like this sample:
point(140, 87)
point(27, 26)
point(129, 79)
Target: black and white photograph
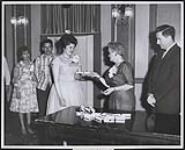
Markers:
point(92, 75)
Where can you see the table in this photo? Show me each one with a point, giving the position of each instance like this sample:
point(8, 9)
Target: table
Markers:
point(66, 126)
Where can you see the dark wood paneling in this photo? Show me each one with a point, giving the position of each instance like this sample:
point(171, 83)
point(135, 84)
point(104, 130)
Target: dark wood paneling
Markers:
point(97, 66)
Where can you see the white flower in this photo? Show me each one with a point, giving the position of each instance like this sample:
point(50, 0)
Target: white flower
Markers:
point(75, 59)
point(32, 68)
point(112, 71)
point(21, 62)
point(67, 31)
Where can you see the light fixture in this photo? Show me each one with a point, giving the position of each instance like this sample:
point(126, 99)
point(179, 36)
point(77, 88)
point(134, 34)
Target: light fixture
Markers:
point(128, 11)
point(21, 20)
point(121, 12)
point(13, 20)
point(115, 12)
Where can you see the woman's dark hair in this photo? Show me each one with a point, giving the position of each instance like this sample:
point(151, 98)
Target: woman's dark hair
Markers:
point(65, 40)
point(20, 52)
point(106, 58)
point(43, 42)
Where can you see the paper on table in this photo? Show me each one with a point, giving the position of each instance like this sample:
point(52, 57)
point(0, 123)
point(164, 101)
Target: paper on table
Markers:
point(79, 75)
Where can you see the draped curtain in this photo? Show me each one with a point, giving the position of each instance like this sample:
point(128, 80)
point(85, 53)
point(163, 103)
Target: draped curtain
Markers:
point(76, 18)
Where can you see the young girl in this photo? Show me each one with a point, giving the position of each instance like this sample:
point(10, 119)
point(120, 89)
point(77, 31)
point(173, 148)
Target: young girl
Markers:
point(24, 99)
point(66, 90)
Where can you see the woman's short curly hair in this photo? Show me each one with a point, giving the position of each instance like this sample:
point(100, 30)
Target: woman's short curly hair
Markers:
point(117, 47)
point(65, 40)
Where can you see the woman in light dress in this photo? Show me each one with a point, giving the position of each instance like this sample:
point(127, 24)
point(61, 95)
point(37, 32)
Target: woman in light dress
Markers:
point(66, 90)
point(24, 98)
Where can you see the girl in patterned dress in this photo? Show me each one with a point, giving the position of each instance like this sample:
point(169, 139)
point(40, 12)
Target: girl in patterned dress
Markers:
point(24, 99)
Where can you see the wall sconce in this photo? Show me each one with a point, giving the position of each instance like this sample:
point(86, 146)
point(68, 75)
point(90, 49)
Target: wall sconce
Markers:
point(21, 20)
point(13, 20)
point(129, 12)
point(115, 12)
point(121, 13)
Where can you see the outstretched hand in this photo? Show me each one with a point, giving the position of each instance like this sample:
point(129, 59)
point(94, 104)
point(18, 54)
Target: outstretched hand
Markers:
point(93, 75)
point(108, 91)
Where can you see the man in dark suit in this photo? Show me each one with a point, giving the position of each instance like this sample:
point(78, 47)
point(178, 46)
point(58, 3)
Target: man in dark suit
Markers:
point(164, 83)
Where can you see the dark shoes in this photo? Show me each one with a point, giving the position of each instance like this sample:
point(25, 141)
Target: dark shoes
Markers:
point(30, 131)
point(24, 131)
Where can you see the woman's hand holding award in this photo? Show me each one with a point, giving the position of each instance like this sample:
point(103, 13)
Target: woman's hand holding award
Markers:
point(81, 75)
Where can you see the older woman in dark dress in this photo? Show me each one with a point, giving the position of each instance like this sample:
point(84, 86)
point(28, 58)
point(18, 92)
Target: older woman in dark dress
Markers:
point(119, 79)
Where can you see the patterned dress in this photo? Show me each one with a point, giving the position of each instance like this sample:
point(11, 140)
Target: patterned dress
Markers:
point(24, 98)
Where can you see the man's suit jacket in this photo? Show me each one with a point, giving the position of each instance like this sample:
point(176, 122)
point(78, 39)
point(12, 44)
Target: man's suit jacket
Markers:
point(164, 82)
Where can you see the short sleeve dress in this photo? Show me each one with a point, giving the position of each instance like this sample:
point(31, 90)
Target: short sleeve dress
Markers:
point(24, 98)
point(121, 100)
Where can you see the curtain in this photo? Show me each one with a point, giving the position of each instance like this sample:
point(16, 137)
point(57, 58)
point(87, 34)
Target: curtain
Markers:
point(85, 50)
point(76, 18)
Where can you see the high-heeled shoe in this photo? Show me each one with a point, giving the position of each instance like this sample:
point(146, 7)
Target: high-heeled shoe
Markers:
point(30, 130)
point(24, 131)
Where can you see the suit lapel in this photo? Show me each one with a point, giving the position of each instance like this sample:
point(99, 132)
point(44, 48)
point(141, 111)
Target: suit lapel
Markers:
point(169, 54)
point(161, 61)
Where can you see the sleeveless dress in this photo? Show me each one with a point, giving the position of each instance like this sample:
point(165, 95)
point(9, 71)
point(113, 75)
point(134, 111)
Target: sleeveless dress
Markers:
point(70, 89)
point(24, 98)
